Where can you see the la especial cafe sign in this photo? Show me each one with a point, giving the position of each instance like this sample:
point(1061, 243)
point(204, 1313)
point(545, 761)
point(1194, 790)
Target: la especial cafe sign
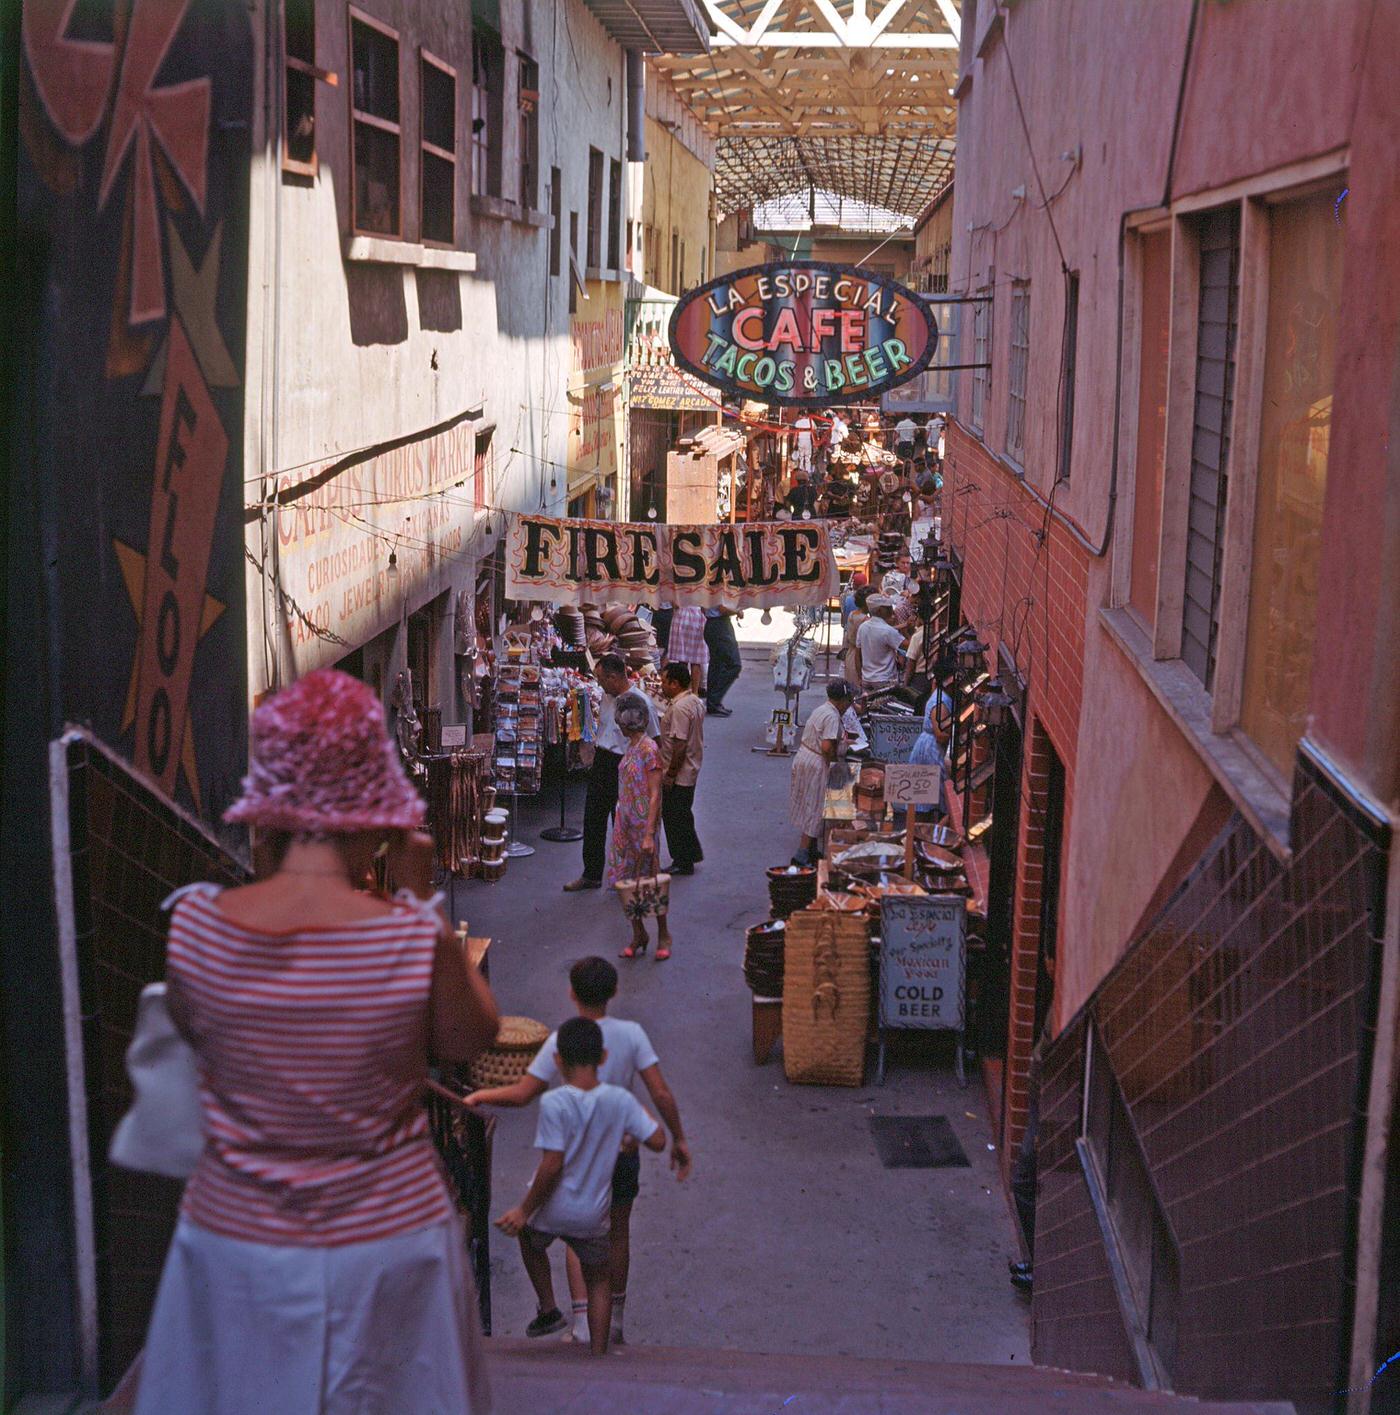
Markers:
point(803, 333)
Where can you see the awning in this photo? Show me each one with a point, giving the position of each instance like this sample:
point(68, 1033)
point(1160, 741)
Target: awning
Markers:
point(654, 26)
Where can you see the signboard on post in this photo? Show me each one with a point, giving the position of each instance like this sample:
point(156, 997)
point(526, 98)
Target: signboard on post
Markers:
point(754, 566)
point(923, 966)
point(803, 333)
point(907, 785)
point(892, 735)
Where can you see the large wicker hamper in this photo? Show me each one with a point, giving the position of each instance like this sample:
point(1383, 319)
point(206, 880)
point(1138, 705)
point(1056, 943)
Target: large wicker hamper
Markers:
point(826, 998)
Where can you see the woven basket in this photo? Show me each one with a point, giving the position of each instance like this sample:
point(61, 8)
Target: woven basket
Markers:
point(826, 998)
point(507, 1059)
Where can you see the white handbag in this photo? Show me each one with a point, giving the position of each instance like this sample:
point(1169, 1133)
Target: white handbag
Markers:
point(163, 1132)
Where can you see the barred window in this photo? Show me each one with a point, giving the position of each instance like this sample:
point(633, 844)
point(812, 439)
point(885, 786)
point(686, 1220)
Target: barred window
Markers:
point(981, 355)
point(1017, 368)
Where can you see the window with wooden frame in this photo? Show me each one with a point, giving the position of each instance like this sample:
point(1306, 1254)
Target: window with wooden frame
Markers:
point(1217, 323)
point(1018, 366)
point(299, 77)
point(1154, 271)
point(595, 209)
point(1069, 360)
point(437, 94)
point(573, 263)
point(528, 102)
point(481, 466)
point(981, 355)
point(377, 138)
point(488, 86)
point(1306, 237)
point(556, 217)
point(614, 214)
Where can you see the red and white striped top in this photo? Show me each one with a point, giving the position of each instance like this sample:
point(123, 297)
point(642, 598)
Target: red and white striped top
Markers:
point(313, 1050)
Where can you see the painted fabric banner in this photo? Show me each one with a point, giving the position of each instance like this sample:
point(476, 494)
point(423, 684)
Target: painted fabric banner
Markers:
point(753, 566)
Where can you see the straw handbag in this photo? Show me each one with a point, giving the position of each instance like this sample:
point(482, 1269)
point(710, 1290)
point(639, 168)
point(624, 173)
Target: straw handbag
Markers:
point(826, 998)
point(646, 896)
point(508, 1058)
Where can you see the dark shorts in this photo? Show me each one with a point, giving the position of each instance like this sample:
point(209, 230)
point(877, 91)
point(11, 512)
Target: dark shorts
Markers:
point(627, 1177)
point(591, 1252)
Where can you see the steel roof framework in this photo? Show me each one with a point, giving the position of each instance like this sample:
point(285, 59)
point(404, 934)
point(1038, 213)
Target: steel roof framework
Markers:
point(850, 96)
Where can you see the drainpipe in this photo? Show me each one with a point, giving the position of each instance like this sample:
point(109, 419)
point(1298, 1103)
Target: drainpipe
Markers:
point(636, 108)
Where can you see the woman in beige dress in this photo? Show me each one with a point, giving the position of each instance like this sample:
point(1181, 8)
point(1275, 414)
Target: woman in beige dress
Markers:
point(822, 742)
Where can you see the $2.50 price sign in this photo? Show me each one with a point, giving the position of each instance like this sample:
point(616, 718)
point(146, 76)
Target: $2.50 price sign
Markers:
point(907, 785)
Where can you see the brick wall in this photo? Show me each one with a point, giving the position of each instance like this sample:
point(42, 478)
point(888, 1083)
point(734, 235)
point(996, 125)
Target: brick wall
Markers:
point(1239, 1028)
point(1025, 583)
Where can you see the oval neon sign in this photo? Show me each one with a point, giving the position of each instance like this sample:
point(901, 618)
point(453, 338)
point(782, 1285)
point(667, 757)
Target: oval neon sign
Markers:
point(803, 333)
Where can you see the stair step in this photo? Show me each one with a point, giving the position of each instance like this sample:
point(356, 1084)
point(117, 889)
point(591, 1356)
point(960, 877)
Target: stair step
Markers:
point(560, 1377)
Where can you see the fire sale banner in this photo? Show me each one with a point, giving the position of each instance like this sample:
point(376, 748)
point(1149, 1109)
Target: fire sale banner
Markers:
point(753, 566)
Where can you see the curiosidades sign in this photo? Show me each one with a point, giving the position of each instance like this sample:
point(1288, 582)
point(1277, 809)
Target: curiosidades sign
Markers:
point(804, 333)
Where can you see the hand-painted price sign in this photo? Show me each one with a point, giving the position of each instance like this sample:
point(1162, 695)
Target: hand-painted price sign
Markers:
point(892, 736)
point(907, 785)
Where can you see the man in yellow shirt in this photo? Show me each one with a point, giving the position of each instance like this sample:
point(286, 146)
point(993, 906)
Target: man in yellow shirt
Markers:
point(682, 751)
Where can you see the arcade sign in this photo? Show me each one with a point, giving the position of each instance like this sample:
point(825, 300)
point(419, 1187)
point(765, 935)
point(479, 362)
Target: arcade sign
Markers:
point(803, 333)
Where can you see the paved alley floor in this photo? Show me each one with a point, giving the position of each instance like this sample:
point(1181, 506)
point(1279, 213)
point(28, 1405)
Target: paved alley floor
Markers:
point(789, 1236)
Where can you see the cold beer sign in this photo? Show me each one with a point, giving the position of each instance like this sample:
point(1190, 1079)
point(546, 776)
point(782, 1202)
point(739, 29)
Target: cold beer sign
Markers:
point(803, 333)
point(922, 956)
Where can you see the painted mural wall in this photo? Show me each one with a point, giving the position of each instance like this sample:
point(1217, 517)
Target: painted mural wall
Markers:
point(134, 130)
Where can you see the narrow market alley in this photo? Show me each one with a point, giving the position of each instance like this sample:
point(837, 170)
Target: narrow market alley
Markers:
point(789, 1237)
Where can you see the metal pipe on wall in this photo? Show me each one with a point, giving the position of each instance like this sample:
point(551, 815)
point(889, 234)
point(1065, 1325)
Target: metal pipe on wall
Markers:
point(636, 107)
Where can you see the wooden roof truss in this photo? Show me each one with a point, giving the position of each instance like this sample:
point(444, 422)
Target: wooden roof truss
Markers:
point(850, 96)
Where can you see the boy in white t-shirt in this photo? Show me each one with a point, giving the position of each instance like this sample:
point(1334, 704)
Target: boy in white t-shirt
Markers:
point(629, 1056)
point(581, 1127)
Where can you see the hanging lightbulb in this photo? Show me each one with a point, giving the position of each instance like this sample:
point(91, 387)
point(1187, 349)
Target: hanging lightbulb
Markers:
point(651, 513)
point(766, 617)
point(394, 563)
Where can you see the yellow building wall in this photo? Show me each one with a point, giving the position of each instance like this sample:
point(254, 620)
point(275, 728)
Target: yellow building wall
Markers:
point(676, 240)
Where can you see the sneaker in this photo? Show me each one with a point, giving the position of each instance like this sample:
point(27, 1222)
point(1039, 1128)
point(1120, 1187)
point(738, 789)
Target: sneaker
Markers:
point(582, 882)
point(547, 1323)
point(674, 869)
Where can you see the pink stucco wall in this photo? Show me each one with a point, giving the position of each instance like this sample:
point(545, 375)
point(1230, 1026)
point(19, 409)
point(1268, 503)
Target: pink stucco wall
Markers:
point(1271, 82)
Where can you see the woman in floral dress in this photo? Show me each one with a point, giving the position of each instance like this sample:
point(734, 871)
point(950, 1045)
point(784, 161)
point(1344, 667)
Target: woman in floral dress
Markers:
point(632, 851)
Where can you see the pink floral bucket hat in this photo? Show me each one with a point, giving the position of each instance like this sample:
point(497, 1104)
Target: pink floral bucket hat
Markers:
point(323, 763)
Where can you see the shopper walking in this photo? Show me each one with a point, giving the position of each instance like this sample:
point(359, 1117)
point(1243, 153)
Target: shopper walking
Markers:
point(581, 1126)
point(628, 1056)
point(725, 662)
point(822, 741)
point(687, 643)
point(633, 852)
point(850, 647)
point(601, 797)
point(682, 752)
point(319, 1264)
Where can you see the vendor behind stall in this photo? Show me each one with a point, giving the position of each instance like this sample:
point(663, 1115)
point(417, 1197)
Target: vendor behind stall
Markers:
point(823, 740)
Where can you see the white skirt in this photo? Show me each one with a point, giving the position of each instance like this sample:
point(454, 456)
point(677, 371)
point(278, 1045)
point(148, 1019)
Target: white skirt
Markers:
point(388, 1326)
point(807, 791)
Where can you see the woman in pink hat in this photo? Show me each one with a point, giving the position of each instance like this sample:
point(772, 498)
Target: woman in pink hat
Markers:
point(319, 1262)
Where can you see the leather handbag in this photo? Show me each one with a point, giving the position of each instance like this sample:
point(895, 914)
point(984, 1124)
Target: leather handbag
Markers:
point(163, 1132)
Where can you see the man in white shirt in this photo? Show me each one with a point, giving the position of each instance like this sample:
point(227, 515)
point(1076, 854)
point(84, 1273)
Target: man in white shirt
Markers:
point(839, 429)
point(879, 643)
point(802, 443)
point(601, 799)
point(582, 1125)
point(629, 1056)
point(904, 431)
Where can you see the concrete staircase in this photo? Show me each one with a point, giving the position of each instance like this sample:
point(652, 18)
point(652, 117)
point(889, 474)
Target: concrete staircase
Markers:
point(558, 1378)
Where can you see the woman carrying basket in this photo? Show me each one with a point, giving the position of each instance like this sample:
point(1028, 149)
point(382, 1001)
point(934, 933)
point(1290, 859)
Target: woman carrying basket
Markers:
point(632, 850)
point(319, 1264)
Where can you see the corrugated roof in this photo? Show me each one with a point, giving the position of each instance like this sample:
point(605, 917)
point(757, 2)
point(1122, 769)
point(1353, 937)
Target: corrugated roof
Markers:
point(654, 26)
